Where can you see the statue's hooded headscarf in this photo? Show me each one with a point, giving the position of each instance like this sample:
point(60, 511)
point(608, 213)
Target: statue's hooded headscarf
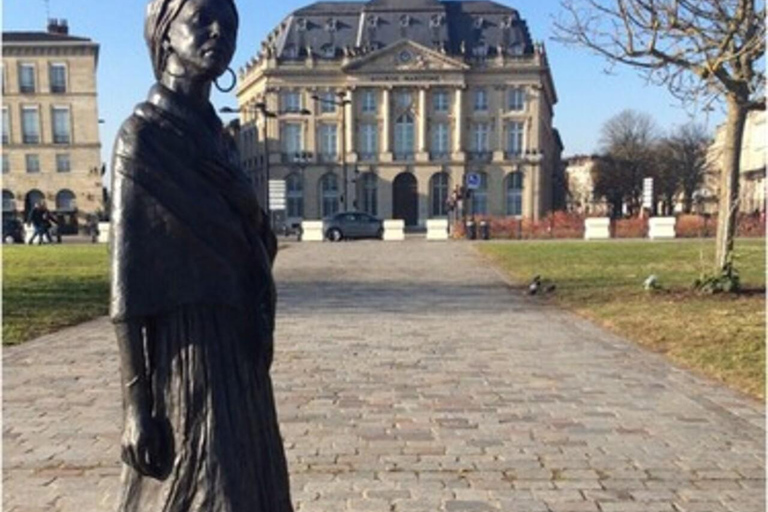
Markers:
point(160, 15)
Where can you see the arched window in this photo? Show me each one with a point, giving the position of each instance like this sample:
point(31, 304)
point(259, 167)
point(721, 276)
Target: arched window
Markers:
point(480, 196)
point(9, 201)
point(404, 136)
point(515, 193)
point(439, 188)
point(65, 201)
point(369, 183)
point(32, 198)
point(329, 194)
point(294, 195)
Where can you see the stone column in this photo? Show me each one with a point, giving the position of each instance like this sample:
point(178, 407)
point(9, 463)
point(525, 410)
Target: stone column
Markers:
point(386, 146)
point(350, 113)
point(422, 139)
point(458, 116)
point(498, 150)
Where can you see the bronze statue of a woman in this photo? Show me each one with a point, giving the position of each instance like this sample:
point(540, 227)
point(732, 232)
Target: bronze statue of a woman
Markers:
point(193, 300)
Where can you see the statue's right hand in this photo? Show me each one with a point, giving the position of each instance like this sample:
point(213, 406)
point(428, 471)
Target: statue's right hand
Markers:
point(142, 445)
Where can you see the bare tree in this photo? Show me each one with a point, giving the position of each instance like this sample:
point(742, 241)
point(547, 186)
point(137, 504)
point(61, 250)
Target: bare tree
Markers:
point(666, 176)
point(703, 50)
point(688, 150)
point(627, 140)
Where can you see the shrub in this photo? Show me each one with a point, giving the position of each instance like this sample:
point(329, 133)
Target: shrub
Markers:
point(695, 226)
point(630, 228)
point(752, 226)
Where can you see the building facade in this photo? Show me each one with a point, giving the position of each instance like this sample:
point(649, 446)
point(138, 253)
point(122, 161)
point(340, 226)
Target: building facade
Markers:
point(752, 183)
point(418, 98)
point(581, 187)
point(51, 148)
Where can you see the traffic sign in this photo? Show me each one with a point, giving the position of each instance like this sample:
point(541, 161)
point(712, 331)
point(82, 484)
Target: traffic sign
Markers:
point(474, 180)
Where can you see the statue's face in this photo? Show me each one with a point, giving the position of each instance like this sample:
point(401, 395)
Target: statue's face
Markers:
point(203, 37)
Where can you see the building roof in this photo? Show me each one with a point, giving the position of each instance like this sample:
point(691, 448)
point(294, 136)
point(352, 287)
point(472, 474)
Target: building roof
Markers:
point(329, 30)
point(41, 37)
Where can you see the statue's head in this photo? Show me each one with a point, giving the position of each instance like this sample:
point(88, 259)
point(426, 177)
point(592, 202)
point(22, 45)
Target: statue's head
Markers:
point(195, 37)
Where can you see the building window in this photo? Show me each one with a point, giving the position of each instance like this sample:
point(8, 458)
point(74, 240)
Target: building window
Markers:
point(440, 101)
point(329, 194)
point(6, 126)
point(516, 99)
point(439, 187)
point(404, 99)
point(33, 163)
point(369, 183)
point(291, 52)
point(481, 137)
point(65, 201)
point(329, 51)
point(9, 201)
point(30, 125)
point(369, 144)
point(62, 162)
point(294, 195)
point(480, 196)
point(328, 141)
point(481, 100)
point(58, 78)
point(33, 198)
point(292, 143)
point(327, 102)
point(6, 164)
point(404, 137)
point(291, 101)
point(480, 50)
point(515, 131)
point(441, 139)
point(515, 194)
point(61, 132)
point(26, 78)
point(369, 102)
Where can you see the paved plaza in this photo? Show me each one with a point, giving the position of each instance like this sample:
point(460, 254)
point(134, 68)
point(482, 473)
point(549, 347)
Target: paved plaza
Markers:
point(410, 377)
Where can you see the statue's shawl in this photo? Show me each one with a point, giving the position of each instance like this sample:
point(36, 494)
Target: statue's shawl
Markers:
point(186, 225)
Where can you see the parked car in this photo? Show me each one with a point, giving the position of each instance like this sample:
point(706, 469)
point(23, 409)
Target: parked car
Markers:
point(13, 231)
point(351, 225)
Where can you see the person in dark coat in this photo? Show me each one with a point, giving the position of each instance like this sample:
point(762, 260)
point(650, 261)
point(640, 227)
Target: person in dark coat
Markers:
point(193, 298)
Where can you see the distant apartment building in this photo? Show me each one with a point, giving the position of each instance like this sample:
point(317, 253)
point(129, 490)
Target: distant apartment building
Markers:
point(418, 98)
point(51, 147)
point(752, 185)
point(580, 196)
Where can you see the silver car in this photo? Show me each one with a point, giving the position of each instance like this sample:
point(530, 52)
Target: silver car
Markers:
point(351, 225)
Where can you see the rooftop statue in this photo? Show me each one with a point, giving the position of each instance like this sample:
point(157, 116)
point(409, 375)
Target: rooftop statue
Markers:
point(193, 299)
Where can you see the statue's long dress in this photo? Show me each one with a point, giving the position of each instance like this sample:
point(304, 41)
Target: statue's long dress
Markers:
point(192, 259)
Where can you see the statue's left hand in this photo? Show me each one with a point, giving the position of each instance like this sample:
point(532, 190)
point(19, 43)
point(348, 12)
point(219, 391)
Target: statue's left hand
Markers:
point(143, 445)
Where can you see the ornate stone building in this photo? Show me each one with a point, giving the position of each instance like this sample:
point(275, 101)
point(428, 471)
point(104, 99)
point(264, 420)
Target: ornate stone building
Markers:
point(51, 148)
point(421, 96)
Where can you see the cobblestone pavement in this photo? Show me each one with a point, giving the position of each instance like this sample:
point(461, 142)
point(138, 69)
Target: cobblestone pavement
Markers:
point(409, 377)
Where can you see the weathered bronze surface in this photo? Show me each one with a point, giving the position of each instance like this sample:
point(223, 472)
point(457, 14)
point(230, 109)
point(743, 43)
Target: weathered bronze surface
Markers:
point(193, 300)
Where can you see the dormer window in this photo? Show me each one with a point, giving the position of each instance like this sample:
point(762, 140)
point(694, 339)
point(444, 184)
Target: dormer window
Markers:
point(405, 20)
point(507, 22)
point(436, 20)
point(301, 24)
point(517, 49)
point(331, 25)
point(291, 52)
point(479, 22)
point(329, 51)
point(373, 21)
point(480, 50)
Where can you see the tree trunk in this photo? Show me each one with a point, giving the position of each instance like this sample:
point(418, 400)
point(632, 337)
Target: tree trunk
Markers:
point(728, 208)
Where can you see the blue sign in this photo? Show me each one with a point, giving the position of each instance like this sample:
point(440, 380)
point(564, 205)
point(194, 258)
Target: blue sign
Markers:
point(473, 181)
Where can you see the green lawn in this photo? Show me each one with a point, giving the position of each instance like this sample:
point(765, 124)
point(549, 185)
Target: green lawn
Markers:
point(49, 287)
point(722, 336)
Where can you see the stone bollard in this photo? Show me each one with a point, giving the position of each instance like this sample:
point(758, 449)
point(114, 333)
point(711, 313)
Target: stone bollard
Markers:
point(660, 228)
point(394, 230)
point(597, 228)
point(103, 233)
point(312, 231)
point(437, 229)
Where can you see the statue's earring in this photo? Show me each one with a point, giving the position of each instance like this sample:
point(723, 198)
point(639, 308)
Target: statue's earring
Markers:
point(228, 89)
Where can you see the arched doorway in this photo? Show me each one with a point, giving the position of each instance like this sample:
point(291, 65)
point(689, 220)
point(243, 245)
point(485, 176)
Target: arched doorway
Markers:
point(405, 199)
point(66, 212)
point(32, 198)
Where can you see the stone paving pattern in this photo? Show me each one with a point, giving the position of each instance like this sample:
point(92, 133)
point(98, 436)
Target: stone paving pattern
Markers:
point(410, 377)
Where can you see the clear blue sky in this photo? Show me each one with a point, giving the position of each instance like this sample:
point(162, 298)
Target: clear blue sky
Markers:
point(587, 96)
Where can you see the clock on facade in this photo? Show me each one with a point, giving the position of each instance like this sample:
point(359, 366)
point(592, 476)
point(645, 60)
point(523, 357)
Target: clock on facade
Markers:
point(405, 56)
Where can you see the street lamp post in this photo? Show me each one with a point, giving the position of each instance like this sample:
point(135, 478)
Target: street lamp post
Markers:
point(342, 102)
